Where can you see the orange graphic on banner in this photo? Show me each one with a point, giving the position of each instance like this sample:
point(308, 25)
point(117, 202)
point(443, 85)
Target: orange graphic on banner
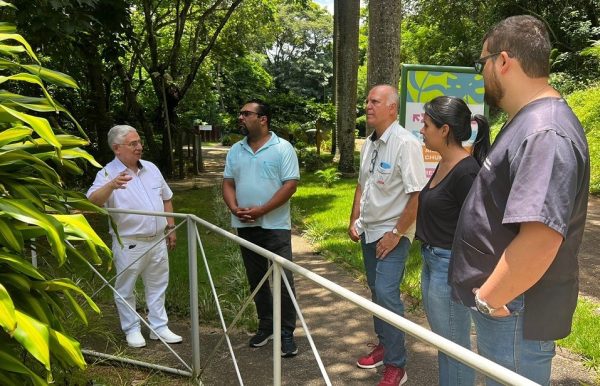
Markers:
point(430, 155)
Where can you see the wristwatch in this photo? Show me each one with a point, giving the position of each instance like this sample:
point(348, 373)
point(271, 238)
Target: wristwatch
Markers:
point(169, 228)
point(483, 307)
point(395, 232)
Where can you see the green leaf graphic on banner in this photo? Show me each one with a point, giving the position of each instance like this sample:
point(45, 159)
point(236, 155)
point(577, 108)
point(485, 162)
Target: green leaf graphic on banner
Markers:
point(423, 86)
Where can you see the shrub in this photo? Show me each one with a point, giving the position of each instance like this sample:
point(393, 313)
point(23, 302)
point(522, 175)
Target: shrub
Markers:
point(328, 176)
point(309, 159)
point(586, 105)
point(230, 139)
point(35, 213)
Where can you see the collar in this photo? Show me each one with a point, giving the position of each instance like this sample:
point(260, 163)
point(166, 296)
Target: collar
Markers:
point(386, 134)
point(120, 165)
point(274, 140)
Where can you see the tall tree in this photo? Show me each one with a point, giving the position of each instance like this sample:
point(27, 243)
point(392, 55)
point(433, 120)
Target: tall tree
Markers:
point(336, 34)
point(174, 40)
point(300, 61)
point(346, 80)
point(383, 67)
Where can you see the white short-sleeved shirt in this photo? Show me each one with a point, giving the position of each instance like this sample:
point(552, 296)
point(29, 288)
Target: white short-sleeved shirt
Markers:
point(258, 176)
point(147, 190)
point(391, 167)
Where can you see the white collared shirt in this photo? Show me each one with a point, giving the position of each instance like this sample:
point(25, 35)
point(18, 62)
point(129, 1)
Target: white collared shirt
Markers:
point(391, 167)
point(147, 190)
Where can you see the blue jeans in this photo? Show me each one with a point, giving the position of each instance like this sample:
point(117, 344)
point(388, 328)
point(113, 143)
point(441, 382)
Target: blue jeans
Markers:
point(384, 277)
point(501, 340)
point(446, 318)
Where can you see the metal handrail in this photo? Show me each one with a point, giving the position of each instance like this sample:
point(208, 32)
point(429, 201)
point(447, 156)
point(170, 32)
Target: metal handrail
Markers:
point(466, 356)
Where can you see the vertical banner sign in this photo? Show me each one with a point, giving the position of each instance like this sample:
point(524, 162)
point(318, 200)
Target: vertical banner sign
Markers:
point(420, 84)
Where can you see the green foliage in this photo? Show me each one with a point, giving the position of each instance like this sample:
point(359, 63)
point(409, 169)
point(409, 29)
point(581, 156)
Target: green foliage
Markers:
point(309, 159)
point(328, 176)
point(301, 58)
point(586, 105)
point(36, 214)
point(230, 139)
point(361, 125)
point(585, 336)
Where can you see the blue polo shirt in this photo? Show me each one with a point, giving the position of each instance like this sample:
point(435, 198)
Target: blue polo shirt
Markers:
point(258, 176)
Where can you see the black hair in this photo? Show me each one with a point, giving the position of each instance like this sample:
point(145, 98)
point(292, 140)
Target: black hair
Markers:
point(264, 110)
point(454, 112)
point(525, 38)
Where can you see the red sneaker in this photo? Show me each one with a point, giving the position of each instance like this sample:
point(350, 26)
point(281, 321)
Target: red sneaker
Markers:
point(373, 359)
point(393, 376)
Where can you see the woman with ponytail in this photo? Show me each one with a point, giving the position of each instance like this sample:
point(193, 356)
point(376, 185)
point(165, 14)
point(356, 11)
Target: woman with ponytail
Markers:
point(446, 125)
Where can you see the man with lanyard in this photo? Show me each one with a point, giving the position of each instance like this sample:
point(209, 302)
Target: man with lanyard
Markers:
point(128, 182)
point(392, 173)
point(261, 175)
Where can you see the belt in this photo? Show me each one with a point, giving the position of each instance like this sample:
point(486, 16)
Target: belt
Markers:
point(141, 238)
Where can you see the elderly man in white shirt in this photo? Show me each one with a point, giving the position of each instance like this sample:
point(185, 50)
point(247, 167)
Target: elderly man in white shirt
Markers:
point(128, 182)
point(392, 173)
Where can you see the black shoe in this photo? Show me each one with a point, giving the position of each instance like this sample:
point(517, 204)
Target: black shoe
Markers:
point(260, 339)
point(288, 346)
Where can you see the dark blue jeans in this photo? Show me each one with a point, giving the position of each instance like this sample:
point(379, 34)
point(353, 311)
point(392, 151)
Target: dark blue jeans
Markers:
point(384, 278)
point(278, 241)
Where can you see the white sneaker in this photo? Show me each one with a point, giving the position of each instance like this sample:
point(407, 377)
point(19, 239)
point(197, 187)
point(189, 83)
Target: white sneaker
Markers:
point(135, 339)
point(166, 335)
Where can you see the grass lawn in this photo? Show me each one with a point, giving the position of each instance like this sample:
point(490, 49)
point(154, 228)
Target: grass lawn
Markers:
point(585, 337)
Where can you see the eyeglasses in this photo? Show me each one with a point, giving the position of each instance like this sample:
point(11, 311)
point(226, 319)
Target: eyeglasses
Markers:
point(247, 113)
point(480, 63)
point(133, 144)
point(373, 160)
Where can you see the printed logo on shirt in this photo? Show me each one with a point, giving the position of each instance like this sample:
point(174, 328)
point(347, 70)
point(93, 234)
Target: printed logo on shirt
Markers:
point(384, 170)
point(487, 164)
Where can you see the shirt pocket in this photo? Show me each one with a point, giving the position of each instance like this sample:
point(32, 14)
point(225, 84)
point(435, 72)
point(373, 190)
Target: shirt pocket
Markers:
point(269, 170)
point(156, 191)
point(383, 173)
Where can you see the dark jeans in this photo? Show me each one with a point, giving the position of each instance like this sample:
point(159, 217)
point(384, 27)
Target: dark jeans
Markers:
point(278, 241)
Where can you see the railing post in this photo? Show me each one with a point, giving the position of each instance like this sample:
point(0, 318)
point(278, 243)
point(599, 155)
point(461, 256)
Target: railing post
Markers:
point(277, 271)
point(193, 277)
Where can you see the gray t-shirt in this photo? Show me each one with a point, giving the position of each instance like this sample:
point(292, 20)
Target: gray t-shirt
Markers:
point(538, 170)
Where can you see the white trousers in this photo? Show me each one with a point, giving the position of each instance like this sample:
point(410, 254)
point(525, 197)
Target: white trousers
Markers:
point(154, 269)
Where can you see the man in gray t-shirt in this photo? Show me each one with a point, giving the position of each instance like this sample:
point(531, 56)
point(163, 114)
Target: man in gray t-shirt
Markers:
point(515, 249)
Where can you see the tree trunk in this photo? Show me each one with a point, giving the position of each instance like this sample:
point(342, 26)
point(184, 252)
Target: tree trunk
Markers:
point(383, 67)
point(135, 111)
point(97, 117)
point(336, 34)
point(347, 73)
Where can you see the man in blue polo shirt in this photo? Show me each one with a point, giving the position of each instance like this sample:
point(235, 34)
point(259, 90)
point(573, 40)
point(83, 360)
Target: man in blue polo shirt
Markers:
point(261, 175)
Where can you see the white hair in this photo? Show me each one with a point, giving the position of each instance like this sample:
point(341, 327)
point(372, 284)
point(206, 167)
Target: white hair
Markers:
point(117, 134)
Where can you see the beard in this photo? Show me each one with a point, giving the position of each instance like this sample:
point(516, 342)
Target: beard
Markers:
point(493, 91)
point(243, 130)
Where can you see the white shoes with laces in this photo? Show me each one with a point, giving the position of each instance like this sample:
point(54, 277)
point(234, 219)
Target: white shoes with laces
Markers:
point(135, 339)
point(166, 335)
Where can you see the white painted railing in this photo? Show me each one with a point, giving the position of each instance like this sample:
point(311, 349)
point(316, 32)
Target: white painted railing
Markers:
point(477, 362)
